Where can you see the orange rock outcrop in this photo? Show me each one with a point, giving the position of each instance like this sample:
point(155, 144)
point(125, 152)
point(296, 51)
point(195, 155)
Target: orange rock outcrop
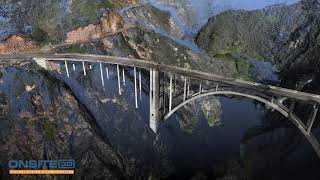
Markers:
point(109, 23)
point(16, 44)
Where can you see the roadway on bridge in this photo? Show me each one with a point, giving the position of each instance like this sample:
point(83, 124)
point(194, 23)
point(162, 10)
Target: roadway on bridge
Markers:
point(272, 90)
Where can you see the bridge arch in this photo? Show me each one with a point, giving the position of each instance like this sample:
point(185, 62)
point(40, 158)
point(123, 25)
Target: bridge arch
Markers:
point(278, 107)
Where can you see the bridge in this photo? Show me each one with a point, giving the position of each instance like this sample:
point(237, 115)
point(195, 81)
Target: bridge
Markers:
point(173, 87)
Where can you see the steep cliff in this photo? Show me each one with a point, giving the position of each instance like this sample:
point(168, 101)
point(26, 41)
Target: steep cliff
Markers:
point(256, 33)
point(286, 35)
point(46, 121)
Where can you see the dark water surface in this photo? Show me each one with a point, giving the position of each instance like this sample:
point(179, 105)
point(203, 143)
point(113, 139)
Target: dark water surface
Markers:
point(207, 150)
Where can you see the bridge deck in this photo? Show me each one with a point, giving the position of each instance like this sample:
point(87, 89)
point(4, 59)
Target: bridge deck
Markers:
point(170, 69)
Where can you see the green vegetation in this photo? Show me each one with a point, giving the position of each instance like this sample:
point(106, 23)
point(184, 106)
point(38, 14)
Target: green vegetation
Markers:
point(212, 121)
point(49, 128)
point(86, 11)
point(243, 67)
point(75, 49)
point(40, 36)
point(48, 21)
point(243, 32)
point(245, 52)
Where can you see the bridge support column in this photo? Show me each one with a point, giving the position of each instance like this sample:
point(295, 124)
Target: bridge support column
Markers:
point(123, 77)
point(170, 94)
point(101, 74)
point(312, 118)
point(140, 85)
point(188, 91)
point(84, 69)
point(118, 74)
point(66, 66)
point(154, 99)
point(107, 70)
point(185, 89)
point(135, 87)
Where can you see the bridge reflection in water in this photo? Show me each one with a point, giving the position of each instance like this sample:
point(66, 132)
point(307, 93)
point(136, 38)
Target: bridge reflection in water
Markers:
point(172, 87)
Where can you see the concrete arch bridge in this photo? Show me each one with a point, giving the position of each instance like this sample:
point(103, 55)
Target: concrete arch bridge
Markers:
point(172, 87)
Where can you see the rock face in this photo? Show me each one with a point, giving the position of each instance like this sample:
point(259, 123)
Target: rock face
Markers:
point(46, 121)
point(145, 16)
point(51, 117)
point(255, 33)
point(16, 44)
point(48, 21)
point(84, 34)
point(147, 45)
point(286, 35)
point(300, 54)
point(109, 23)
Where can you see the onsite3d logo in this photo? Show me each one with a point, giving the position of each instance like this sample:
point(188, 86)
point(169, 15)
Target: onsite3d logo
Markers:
point(41, 166)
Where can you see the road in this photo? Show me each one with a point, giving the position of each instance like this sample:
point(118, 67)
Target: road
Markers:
point(262, 88)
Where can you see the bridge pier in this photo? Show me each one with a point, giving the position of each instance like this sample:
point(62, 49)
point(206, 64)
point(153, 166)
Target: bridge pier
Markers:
point(107, 70)
point(170, 93)
point(154, 99)
point(135, 87)
point(188, 89)
point(123, 77)
point(312, 118)
point(84, 69)
point(185, 89)
point(140, 85)
point(66, 66)
point(101, 74)
point(118, 74)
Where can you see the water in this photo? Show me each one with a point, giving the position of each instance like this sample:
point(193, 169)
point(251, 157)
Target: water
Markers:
point(206, 150)
point(200, 150)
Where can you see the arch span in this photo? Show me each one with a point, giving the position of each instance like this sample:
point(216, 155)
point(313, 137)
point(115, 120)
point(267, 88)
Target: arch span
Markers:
point(277, 106)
